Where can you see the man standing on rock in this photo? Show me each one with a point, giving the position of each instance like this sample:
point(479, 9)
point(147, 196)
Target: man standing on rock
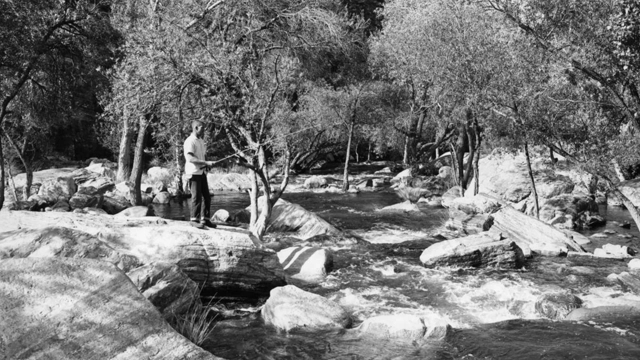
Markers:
point(196, 170)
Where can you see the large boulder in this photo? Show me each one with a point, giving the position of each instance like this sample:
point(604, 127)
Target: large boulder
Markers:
point(61, 205)
point(404, 175)
point(81, 201)
point(289, 307)
point(315, 182)
point(59, 188)
point(306, 264)
point(162, 198)
point(115, 204)
point(404, 327)
point(103, 167)
point(288, 217)
point(483, 249)
point(506, 176)
point(100, 183)
point(61, 308)
point(557, 306)
point(573, 208)
point(227, 261)
point(478, 204)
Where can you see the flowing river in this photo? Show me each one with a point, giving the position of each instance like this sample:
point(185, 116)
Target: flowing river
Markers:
point(492, 311)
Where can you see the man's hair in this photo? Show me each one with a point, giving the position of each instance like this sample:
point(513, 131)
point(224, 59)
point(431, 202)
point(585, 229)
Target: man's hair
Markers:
point(196, 122)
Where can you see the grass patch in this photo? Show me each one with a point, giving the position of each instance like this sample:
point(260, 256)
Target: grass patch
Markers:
point(196, 324)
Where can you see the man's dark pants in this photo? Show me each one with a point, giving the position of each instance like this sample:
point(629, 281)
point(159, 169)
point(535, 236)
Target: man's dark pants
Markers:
point(200, 190)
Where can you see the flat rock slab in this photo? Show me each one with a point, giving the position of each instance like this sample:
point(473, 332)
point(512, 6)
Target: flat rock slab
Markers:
point(523, 228)
point(225, 260)
point(62, 308)
point(484, 249)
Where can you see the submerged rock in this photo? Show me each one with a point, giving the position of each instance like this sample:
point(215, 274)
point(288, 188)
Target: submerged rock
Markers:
point(404, 327)
point(557, 306)
point(629, 281)
point(81, 309)
point(406, 206)
point(608, 314)
point(289, 308)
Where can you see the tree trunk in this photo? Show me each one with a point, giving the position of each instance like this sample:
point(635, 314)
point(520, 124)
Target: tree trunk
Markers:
point(13, 184)
point(476, 163)
point(459, 156)
point(471, 144)
point(533, 181)
point(405, 156)
point(369, 153)
point(253, 197)
point(25, 163)
point(124, 154)
point(345, 182)
point(1, 173)
point(259, 226)
point(177, 153)
point(553, 158)
point(136, 172)
point(633, 210)
point(618, 170)
point(454, 163)
point(355, 152)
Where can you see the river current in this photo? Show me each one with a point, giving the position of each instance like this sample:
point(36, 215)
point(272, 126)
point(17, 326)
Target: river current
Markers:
point(492, 311)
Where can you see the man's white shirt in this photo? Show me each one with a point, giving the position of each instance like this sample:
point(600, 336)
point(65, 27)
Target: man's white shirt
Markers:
point(196, 147)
